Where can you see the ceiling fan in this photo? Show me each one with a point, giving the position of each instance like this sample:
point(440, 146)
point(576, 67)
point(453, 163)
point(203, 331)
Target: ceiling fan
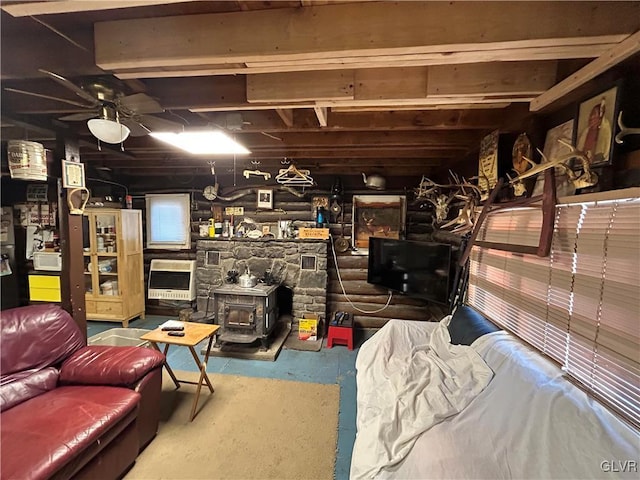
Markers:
point(112, 115)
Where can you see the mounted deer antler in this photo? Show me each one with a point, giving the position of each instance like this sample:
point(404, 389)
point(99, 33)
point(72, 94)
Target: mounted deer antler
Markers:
point(426, 188)
point(586, 179)
point(462, 190)
point(467, 213)
point(624, 131)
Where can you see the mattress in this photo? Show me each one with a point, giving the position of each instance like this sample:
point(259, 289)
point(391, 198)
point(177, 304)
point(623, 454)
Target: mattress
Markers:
point(529, 421)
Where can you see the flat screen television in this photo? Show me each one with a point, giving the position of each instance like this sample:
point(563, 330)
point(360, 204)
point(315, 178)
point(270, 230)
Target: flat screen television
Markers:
point(416, 269)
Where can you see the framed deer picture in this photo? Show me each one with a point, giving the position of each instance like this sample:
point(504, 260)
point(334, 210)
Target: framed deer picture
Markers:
point(377, 216)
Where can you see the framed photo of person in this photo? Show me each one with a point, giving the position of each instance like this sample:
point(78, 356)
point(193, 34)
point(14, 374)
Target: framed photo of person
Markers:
point(265, 198)
point(595, 127)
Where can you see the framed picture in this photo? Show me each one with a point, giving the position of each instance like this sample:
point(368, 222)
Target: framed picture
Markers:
point(377, 216)
point(554, 149)
point(488, 163)
point(72, 174)
point(594, 130)
point(265, 198)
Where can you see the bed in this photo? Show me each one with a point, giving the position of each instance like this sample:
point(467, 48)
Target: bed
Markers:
point(490, 407)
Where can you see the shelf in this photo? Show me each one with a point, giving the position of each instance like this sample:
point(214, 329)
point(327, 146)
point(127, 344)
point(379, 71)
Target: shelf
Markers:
point(116, 243)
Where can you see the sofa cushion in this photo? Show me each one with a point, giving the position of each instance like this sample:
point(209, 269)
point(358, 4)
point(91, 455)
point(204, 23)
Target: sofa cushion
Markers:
point(22, 386)
point(46, 433)
point(466, 325)
point(36, 337)
point(107, 365)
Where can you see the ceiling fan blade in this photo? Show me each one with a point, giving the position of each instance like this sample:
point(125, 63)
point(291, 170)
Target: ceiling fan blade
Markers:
point(76, 117)
point(93, 102)
point(158, 124)
point(137, 130)
point(140, 103)
point(48, 97)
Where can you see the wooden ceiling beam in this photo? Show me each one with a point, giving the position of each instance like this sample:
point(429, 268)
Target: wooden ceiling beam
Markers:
point(628, 47)
point(300, 86)
point(271, 163)
point(321, 114)
point(356, 29)
point(399, 108)
point(50, 7)
point(203, 172)
point(27, 46)
point(490, 79)
point(386, 61)
point(286, 115)
point(148, 158)
point(337, 138)
point(416, 84)
point(305, 120)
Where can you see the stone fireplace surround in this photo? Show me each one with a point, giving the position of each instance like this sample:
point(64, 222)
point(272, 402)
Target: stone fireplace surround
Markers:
point(282, 257)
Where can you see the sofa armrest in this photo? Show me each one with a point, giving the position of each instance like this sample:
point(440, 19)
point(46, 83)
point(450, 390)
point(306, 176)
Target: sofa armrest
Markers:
point(107, 365)
point(467, 325)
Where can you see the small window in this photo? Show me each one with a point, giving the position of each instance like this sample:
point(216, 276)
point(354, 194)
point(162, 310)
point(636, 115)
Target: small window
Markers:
point(212, 258)
point(308, 262)
point(168, 219)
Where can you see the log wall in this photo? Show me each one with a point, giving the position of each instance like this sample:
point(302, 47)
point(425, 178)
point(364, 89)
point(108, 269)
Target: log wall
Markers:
point(358, 296)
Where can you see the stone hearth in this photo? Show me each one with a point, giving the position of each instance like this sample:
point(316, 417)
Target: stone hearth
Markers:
point(300, 265)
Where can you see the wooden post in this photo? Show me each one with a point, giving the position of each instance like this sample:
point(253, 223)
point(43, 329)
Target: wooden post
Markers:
point(548, 212)
point(72, 275)
point(476, 229)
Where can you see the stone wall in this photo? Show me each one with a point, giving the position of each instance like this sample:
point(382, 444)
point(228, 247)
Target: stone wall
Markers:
point(281, 257)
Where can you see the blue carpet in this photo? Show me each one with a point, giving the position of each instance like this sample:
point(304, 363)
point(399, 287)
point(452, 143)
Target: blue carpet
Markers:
point(328, 366)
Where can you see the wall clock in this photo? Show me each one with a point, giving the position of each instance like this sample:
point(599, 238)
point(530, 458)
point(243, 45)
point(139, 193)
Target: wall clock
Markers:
point(210, 192)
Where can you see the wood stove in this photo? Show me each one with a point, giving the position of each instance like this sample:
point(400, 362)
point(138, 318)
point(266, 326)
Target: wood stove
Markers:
point(245, 314)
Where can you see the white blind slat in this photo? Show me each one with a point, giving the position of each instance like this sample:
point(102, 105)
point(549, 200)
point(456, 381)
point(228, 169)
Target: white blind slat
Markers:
point(581, 305)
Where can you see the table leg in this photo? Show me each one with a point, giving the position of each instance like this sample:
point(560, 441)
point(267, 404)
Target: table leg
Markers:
point(206, 360)
point(203, 376)
point(166, 364)
point(194, 354)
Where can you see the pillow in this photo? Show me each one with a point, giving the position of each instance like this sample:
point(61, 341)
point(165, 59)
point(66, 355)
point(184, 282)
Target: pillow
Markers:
point(466, 325)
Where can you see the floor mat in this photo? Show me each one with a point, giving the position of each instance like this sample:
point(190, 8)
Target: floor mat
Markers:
point(250, 428)
point(294, 343)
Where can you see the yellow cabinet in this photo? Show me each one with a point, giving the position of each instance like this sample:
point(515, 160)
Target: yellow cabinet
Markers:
point(113, 265)
point(44, 288)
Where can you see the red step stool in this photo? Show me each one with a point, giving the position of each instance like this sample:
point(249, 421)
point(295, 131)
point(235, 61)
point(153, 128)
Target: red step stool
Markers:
point(341, 333)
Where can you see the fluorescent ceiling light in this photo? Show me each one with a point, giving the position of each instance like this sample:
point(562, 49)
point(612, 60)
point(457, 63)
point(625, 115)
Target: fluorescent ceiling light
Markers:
point(202, 142)
point(108, 131)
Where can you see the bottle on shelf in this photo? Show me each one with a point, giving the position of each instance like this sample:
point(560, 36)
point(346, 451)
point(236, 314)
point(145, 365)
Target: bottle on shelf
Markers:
point(321, 217)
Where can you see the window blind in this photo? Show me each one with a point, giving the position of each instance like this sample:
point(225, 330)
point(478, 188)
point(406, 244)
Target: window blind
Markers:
point(168, 219)
point(581, 304)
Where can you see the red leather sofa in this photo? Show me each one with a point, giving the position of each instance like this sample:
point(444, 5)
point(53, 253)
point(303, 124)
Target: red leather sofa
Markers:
point(68, 409)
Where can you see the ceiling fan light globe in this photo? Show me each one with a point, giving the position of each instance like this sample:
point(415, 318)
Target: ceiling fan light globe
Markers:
point(108, 131)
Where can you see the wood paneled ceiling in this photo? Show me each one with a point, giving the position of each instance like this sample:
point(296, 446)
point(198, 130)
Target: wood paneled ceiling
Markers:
point(400, 88)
